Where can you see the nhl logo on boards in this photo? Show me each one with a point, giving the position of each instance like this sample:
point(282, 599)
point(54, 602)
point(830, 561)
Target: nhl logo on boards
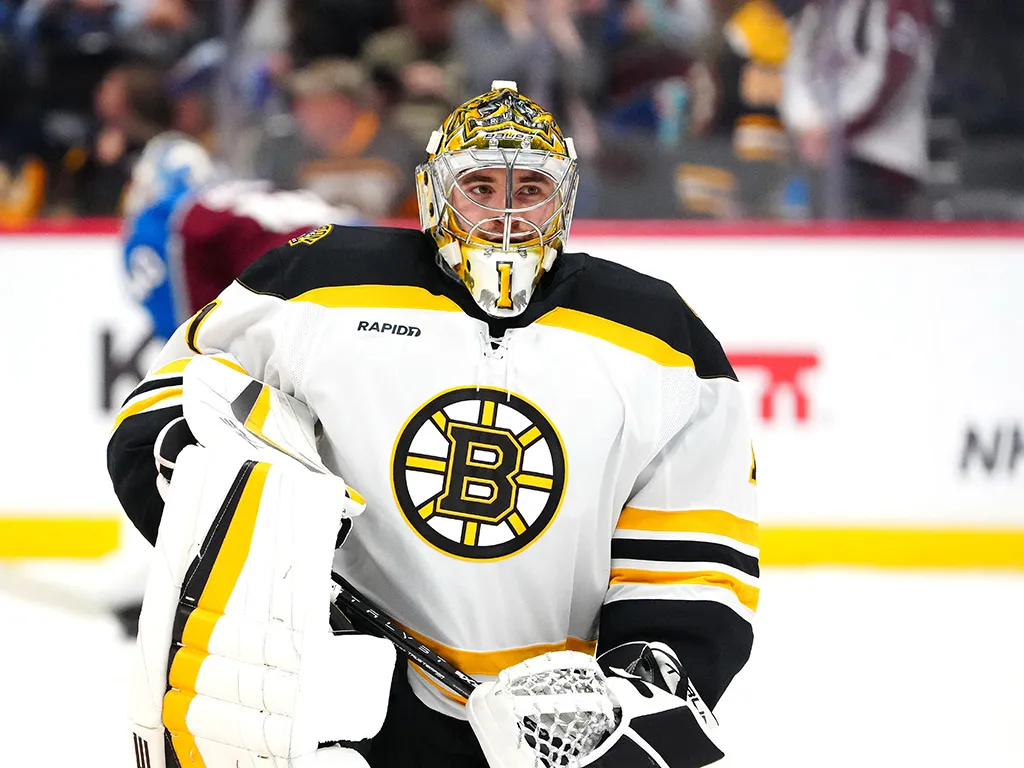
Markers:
point(312, 236)
point(392, 328)
point(479, 474)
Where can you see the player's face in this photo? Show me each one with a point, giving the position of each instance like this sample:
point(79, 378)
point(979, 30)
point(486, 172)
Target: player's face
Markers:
point(532, 200)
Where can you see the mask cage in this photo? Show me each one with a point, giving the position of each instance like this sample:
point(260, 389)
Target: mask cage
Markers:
point(447, 168)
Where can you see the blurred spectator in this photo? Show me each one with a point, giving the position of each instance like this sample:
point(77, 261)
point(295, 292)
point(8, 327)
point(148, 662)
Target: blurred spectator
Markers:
point(22, 173)
point(69, 45)
point(132, 107)
point(336, 144)
point(161, 31)
point(750, 180)
point(540, 45)
point(15, 136)
point(191, 87)
point(419, 81)
point(750, 73)
point(983, 63)
point(651, 47)
point(335, 28)
point(866, 71)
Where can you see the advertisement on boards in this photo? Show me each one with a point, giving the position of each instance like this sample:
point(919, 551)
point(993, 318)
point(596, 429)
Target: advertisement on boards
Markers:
point(877, 372)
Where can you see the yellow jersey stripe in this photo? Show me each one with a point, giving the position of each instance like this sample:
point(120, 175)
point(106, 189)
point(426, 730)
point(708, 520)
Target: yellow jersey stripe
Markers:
point(747, 594)
point(450, 694)
point(192, 330)
point(714, 521)
point(620, 335)
point(147, 402)
point(378, 297)
point(490, 663)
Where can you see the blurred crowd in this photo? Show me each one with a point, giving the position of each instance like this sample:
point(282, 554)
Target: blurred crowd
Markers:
point(679, 108)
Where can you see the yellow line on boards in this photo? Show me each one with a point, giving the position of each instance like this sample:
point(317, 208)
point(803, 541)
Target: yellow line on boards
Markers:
point(44, 536)
point(68, 536)
point(893, 547)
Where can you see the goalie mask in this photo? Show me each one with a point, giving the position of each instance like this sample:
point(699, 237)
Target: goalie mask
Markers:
point(497, 194)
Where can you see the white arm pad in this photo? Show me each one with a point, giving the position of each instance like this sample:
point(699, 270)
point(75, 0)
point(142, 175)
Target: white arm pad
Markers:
point(238, 598)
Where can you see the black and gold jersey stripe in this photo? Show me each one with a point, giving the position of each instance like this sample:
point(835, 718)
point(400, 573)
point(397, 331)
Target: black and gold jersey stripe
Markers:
point(645, 304)
point(151, 406)
point(386, 267)
point(675, 551)
point(689, 578)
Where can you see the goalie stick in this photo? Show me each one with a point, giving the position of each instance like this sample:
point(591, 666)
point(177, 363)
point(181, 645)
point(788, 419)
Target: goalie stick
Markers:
point(365, 617)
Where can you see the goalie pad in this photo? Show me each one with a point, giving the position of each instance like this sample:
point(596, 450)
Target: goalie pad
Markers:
point(561, 711)
point(236, 663)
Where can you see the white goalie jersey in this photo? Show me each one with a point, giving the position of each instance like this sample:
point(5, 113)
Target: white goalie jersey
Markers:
point(580, 474)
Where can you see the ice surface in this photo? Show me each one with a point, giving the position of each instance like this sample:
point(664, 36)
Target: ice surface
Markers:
point(850, 669)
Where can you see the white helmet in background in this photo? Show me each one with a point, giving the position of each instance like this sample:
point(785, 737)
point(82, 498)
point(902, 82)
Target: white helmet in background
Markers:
point(497, 194)
point(171, 163)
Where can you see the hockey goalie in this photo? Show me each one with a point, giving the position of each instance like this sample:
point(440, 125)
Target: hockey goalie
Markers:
point(548, 488)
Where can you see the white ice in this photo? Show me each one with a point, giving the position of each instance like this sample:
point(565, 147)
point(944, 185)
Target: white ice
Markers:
point(850, 669)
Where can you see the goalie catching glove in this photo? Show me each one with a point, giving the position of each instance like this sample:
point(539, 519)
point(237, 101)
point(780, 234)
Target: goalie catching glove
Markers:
point(237, 663)
point(569, 710)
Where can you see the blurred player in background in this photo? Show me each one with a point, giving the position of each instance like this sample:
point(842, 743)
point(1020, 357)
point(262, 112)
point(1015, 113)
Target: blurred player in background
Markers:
point(865, 69)
point(190, 230)
point(554, 460)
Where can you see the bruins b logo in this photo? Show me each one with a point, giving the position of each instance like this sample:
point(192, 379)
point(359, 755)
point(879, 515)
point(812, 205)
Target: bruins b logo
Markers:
point(478, 474)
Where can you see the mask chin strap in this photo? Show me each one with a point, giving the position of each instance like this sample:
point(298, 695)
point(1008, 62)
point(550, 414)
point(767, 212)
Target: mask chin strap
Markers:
point(452, 254)
point(549, 258)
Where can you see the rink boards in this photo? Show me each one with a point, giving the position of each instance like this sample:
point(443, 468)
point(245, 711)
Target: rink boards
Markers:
point(883, 370)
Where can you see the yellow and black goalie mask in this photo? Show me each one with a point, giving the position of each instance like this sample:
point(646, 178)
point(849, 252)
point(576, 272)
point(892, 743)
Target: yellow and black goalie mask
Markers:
point(497, 194)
